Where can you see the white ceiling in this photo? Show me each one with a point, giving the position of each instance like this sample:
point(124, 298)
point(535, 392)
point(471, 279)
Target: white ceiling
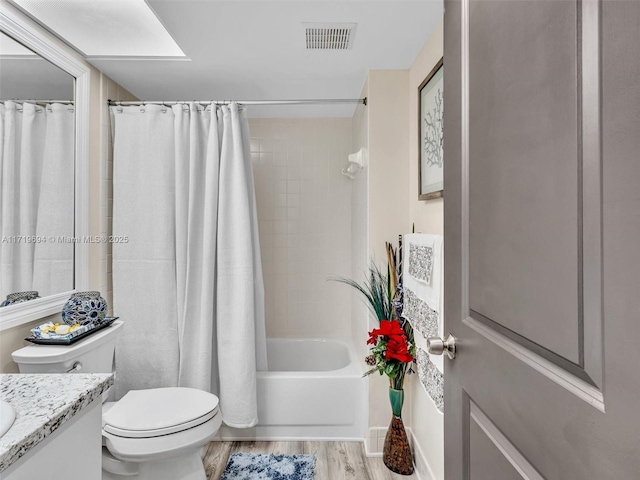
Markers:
point(255, 50)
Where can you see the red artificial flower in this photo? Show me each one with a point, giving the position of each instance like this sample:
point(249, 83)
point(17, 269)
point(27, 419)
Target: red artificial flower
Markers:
point(388, 328)
point(397, 347)
point(398, 351)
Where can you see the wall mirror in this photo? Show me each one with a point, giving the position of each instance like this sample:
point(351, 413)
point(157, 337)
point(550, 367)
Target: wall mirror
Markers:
point(43, 201)
point(37, 120)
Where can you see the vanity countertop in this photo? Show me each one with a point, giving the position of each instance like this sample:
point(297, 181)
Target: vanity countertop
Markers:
point(43, 403)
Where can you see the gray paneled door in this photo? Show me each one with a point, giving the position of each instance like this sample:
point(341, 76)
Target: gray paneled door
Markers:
point(542, 239)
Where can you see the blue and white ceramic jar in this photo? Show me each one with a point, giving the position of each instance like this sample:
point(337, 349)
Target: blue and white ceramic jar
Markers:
point(19, 297)
point(84, 308)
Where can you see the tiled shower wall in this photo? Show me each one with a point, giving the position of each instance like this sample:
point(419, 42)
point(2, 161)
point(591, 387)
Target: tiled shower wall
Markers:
point(304, 214)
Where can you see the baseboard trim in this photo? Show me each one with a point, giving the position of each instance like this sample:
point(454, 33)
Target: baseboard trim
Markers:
point(423, 469)
point(373, 441)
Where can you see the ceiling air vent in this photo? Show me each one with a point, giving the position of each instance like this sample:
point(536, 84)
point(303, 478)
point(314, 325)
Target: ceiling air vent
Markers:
point(329, 36)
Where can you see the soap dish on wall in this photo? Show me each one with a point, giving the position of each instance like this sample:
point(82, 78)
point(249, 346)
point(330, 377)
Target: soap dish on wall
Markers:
point(356, 163)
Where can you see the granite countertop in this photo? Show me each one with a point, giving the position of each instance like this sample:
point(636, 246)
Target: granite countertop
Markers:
point(44, 402)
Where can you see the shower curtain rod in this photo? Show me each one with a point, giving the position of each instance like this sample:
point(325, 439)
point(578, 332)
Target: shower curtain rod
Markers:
point(362, 101)
point(45, 102)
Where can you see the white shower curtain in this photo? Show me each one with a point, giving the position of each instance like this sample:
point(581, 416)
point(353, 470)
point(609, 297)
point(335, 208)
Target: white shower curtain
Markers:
point(188, 283)
point(36, 196)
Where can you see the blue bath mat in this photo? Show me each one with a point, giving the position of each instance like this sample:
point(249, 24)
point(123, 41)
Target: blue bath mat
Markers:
point(256, 466)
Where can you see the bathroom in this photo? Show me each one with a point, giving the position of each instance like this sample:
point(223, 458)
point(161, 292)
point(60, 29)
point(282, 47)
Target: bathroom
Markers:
point(314, 222)
point(331, 137)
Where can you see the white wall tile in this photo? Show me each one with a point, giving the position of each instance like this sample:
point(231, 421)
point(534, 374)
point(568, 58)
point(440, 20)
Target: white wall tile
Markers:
point(293, 186)
point(280, 185)
point(298, 177)
point(279, 227)
point(280, 158)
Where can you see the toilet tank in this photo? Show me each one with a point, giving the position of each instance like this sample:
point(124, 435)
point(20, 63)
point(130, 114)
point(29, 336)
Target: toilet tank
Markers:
point(93, 354)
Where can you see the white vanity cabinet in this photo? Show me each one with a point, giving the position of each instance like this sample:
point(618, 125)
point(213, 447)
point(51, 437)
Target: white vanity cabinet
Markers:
point(57, 433)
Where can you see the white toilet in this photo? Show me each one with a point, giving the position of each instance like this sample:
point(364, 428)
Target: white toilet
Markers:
point(153, 434)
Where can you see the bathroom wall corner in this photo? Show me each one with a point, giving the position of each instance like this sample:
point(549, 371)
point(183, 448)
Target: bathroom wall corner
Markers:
point(425, 421)
point(360, 228)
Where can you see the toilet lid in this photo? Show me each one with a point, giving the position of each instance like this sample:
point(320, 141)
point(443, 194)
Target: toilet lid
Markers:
point(159, 411)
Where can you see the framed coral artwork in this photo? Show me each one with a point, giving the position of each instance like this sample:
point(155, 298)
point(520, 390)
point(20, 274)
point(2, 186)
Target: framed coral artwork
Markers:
point(431, 154)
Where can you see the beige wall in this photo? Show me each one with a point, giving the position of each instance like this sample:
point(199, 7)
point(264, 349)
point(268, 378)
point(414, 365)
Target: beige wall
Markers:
point(12, 339)
point(102, 168)
point(304, 215)
point(386, 211)
point(388, 103)
point(427, 424)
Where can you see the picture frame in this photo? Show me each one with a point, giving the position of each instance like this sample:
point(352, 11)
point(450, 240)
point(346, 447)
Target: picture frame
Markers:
point(430, 134)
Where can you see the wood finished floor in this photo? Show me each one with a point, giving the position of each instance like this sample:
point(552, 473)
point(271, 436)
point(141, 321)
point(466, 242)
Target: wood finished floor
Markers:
point(334, 460)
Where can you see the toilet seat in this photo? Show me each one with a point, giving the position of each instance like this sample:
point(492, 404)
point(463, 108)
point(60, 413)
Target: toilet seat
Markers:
point(159, 425)
point(159, 432)
point(158, 412)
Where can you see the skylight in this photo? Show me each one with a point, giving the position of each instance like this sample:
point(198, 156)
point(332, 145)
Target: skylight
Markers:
point(105, 28)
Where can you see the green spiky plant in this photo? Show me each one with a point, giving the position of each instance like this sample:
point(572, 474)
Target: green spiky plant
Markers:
point(376, 291)
point(383, 296)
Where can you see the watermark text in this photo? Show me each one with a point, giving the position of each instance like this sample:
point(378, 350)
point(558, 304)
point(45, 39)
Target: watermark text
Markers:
point(65, 239)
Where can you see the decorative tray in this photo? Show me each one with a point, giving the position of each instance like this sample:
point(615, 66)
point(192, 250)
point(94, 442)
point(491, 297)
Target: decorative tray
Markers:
point(68, 341)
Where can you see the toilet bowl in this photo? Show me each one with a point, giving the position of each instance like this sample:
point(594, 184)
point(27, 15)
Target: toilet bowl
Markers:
point(151, 434)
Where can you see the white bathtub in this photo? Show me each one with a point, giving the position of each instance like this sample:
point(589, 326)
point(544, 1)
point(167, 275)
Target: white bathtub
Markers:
point(313, 390)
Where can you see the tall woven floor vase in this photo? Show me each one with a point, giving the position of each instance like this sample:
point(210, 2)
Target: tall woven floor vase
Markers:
point(397, 452)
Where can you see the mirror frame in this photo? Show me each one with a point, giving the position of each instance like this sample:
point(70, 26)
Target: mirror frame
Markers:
point(27, 32)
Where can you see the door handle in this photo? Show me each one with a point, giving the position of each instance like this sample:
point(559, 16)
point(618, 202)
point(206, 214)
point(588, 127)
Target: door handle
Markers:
point(437, 346)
